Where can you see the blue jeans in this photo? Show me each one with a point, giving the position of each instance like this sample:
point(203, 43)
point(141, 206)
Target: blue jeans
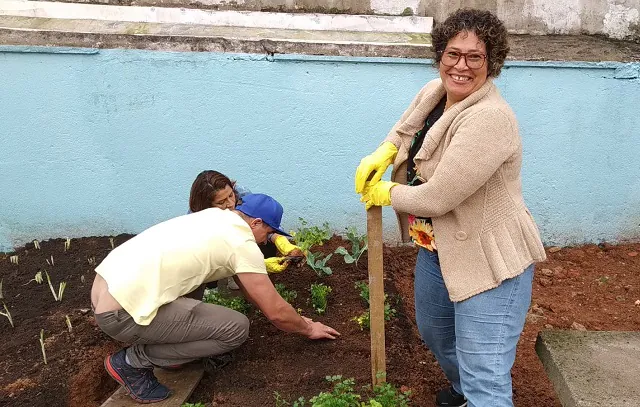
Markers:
point(473, 340)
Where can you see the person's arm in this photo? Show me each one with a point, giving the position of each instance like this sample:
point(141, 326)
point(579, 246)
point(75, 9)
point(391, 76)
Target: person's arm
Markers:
point(372, 167)
point(478, 148)
point(258, 289)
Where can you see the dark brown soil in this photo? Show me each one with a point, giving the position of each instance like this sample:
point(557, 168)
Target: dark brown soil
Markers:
point(590, 286)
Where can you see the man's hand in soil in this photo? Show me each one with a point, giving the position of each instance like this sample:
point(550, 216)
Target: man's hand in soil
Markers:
point(319, 330)
point(259, 289)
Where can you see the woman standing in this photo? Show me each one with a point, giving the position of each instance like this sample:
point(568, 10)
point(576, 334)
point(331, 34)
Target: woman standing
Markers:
point(456, 188)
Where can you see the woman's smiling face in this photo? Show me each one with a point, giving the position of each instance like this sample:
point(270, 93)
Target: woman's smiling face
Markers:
point(460, 80)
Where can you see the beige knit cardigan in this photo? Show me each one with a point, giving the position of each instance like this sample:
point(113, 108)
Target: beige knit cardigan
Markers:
point(471, 161)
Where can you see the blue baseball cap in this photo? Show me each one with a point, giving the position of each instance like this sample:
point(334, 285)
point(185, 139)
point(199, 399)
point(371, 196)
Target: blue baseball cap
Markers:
point(264, 207)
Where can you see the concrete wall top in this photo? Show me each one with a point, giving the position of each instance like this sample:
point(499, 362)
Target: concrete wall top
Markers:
point(613, 18)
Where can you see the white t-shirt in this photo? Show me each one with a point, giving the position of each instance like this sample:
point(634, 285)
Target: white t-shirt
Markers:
point(175, 257)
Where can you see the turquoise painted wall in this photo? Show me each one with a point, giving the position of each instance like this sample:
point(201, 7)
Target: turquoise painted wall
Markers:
point(105, 142)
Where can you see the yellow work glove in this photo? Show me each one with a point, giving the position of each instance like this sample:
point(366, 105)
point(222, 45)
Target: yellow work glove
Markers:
point(284, 246)
point(378, 194)
point(276, 264)
point(375, 163)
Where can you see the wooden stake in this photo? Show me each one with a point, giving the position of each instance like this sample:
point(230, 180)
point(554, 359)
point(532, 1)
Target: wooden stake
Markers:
point(376, 295)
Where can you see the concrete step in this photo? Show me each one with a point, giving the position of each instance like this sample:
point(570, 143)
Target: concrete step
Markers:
point(210, 30)
point(590, 369)
point(388, 7)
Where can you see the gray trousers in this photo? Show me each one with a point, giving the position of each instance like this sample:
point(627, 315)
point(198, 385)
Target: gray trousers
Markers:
point(182, 331)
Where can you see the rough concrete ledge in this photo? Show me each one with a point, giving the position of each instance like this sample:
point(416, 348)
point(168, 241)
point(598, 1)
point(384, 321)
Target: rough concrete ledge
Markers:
point(193, 37)
point(250, 19)
point(590, 369)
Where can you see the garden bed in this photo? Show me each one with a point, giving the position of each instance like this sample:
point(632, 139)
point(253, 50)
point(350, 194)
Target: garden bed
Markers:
point(592, 287)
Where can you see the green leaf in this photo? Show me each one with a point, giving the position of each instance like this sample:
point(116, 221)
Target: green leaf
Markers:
point(341, 250)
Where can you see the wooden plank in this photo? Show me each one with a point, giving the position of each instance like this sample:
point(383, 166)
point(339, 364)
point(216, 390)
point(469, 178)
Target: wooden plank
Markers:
point(376, 294)
point(181, 382)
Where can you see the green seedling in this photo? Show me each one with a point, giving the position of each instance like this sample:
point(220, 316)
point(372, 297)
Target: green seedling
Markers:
point(51, 286)
point(67, 244)
point(44, 354)
point(51, 263)
point(287, 295)
point(213, 296)
point(37, 278)
point(364, 290)
point(308, 236)
point(319, 294)
point(113, 246)
point(358, 246)
point(193, 405)
point(364, 320)
point(7, 314)
point(344, 395)
point(61, 287)
point(14, 259)
point(36, 244)
point(318, 263)
point(68, 321)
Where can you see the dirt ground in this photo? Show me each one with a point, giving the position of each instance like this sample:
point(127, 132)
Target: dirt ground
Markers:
point(588, 287)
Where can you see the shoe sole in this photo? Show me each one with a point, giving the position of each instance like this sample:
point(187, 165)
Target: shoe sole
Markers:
point(115, 376)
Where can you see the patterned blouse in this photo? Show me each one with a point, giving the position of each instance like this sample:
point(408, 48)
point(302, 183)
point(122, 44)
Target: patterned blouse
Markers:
point(421, 229)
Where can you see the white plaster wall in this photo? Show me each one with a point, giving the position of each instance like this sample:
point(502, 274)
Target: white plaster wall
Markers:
point(615, 18)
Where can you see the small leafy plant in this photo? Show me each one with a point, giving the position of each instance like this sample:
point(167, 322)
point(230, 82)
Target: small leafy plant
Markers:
point(67, 244)
point(14, 259)
point(68, 321)
point(36, 244)
point(319, 294)
point(193, 405)
point(51, 263)
point(344, 395)
point(364, 320)
point(308, 236)
point(359, 245)
point(7, 314)
point(92, 261)
point(213, 296)
point(287, 295)
point(318, 263)
point(111, 243)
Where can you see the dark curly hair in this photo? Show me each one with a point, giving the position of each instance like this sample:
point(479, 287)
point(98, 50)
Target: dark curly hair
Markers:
point(204, 189)
point(485, 25)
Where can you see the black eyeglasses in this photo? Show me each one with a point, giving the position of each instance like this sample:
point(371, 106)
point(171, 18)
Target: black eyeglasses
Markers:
point(474, 60)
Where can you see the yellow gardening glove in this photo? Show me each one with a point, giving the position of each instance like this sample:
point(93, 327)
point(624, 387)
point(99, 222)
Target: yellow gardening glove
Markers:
point(378, 194)
point(285, 247)
point(276, 264)
point(375, 163)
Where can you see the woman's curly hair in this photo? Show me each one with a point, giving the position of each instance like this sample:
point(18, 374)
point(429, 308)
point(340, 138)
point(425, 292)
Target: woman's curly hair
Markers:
point(485, 25)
